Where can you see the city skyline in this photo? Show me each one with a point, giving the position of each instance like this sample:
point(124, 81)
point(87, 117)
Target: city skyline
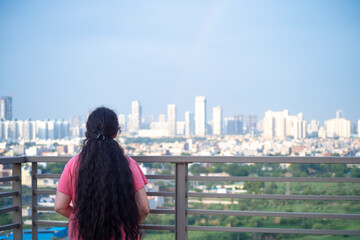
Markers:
point(136, 109)
point(275, 125)
point(247, 56)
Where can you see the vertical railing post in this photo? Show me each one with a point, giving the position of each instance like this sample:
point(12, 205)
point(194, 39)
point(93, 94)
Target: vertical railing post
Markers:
point(34, 214)
point(181, 201)
point(17, 200)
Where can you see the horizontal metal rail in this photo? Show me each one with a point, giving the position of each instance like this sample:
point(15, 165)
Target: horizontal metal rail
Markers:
point(9, 226)
point(44, 191)
point(9, 194)
point(218, 159)
point(43, 208)
point(166, 177)
point(9, 179)
point(233, 159)
point(163, 194)
point(9, 209)
point(47, 175)
point(52, 192)
point(273, 230)
point(273, 214)
point(52, 223)
point(154, 211)
point(275, 179)
point(7, 160)
point(276, 196)
point(62, 159)
point(162, 211)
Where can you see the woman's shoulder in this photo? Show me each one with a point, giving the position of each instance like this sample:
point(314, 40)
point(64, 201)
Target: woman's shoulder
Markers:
point(132, 162)
point(72, 162)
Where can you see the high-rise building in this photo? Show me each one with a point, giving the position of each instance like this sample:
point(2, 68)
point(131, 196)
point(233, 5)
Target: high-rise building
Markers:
point(338, 127)
point(296, 126)
point(171, 113)
point(280, 125)
point(6, 108)
point(180, 128)
point(200, 116)
point(136, 116)
point(313, 128)
point(251, 121)
point(234, 125)
point(122, 122)
point(217, 120)
point(189, 124)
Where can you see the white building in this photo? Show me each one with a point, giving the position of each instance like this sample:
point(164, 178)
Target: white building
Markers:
point(122, 122)
point(157, 129)
point(312, 127)
point(337, 127)
point(189, 124)
point(180, 128)
point(171, 113)
point(136, 116)
point(217, 120)
point(279, 125)
point(321, 133)
point(200, 116)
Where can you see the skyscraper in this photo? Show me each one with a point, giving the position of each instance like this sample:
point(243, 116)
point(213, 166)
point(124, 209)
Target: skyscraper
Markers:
point(313, 128)
point(337, 127)
point(171, 113)
point(280, 125)
point(234, 125)
point(217, 120)
point(189, 123)
point(122, 122)
point(6, 108)
point(251, 124)
point(136, 115)
point(200, 116)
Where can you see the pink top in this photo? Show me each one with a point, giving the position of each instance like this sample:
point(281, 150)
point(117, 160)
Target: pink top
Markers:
point(67, 184)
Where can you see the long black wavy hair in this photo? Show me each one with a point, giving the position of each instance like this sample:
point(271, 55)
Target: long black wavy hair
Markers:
point(105, 194)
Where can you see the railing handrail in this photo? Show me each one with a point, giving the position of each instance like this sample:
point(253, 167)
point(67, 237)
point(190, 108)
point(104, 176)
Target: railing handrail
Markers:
point(205, 159)
point(10, 160)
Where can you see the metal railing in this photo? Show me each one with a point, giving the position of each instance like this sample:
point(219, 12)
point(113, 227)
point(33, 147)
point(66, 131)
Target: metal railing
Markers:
point(16, 195)
point(181, 194)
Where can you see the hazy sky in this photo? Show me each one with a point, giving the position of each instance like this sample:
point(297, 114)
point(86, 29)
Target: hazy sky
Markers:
point(62, 58)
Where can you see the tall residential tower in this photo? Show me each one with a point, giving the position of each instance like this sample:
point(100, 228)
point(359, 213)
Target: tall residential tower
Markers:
point(217, 120)
point(6, 108)
point(200, 116)
point(171, 113)
point(136, 115)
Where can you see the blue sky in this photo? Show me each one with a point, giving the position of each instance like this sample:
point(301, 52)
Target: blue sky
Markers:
point(62, 58)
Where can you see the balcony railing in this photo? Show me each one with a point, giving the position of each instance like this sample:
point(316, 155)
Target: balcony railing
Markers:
point(181, 194)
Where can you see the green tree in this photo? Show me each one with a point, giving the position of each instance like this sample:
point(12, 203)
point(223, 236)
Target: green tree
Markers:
point(355, 172)
point(197, 169)
point(235, 169)
point(253, 187)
